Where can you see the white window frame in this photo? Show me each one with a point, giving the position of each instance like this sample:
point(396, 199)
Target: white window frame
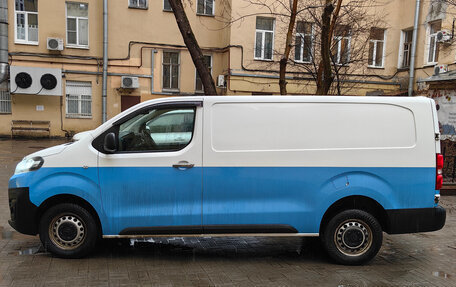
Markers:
point(25, 13)
point(196, 75)
point(400, 61)
point(374, 55)
point(170, 70)
point(301, 49)
point(79, 114)
point(164, 8)
point(428, 44)
point(5, 100)
point(263, 33)
point(204, 5)
point(130, 5)
point(77, 45)
point(339, 49)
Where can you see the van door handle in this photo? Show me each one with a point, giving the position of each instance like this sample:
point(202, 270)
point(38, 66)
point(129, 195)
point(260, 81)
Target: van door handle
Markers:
point(183, 165)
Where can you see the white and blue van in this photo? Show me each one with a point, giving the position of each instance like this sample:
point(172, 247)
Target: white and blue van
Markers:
point(345, 169)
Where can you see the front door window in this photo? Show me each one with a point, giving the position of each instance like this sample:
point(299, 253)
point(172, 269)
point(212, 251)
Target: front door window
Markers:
point(157, 130)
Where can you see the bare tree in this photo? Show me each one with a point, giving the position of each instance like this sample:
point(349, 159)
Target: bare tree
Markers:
point(193, 47)
point(288, 45)
point(333, 33)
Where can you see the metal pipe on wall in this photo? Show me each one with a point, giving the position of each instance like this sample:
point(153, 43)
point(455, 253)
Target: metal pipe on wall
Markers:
point(3, 40)
point(105, 60)
point(413, 55)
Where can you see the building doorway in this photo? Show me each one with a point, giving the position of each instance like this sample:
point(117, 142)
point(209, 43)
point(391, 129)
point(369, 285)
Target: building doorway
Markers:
point(128, 102)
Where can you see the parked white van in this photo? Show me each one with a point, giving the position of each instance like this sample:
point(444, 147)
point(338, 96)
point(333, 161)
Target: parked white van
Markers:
point(345, 169)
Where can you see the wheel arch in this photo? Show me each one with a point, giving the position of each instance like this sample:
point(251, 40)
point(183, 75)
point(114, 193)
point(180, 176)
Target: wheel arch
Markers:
point(360, 202)
point(69, 198)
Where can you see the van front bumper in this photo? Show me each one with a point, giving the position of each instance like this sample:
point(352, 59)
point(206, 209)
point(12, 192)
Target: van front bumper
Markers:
point(23, 211)
point(413, 220)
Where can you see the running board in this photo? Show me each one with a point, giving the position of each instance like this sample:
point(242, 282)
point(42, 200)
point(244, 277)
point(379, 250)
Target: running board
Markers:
point(217, 235)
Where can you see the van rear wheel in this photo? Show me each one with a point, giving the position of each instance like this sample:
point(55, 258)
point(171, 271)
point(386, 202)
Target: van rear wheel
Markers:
point(352, 237)
point(68, 230)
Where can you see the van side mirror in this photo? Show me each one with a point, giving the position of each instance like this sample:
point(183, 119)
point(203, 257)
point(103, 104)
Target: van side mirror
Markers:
point(110, 144)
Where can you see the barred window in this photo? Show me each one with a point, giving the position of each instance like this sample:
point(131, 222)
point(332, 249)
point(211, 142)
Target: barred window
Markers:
point(78, 99)
point(5, 100)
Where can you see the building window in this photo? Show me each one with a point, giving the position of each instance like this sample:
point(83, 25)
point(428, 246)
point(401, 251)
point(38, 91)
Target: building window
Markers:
point(264, 40)
point(341, 45)
point(5, 99)
point(432, 46)
point(78, 99)
point(198, 83)
point(167, 6)
point(139, 4)
point(205, 7)
point(376, 47)
point(304, 42)
point(405, 49)
point(26, 21)
point(171, 71)
point(77, 24)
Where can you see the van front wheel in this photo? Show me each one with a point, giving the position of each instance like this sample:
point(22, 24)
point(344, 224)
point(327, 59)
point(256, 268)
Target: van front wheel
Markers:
point(68, 230)
point(352, 237)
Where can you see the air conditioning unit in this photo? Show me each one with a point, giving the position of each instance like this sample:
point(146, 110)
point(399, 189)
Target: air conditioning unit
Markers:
point(221, 81)
point(130, 82)
point(443, 36)
point(54, 44)
point(38, 81)
point(439, 69)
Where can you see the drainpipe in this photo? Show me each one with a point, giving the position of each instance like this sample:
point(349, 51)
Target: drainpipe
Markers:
point(105, 60)
point(3, 40)
point(413, 55)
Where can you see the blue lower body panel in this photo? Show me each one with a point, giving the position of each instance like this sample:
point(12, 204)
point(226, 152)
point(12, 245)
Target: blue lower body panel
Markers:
point(298, 197)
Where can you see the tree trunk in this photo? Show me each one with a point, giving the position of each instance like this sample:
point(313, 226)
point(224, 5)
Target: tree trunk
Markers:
point(286, 55)
point(193, 47)
point(324, 73)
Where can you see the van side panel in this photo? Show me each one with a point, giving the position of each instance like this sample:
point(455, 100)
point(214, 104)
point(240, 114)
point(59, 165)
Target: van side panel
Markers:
point(299, 196)
point(50, 181)
point(288, 162)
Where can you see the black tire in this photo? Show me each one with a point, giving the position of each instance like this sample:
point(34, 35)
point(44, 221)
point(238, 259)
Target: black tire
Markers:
point(68, 230)
point(352, 237)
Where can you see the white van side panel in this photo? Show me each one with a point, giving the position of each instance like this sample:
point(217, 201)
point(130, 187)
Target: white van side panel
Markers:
point(318, 132)
point(310, 126)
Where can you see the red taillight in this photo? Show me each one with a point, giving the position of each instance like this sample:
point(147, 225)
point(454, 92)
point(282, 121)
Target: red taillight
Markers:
point(438, 171)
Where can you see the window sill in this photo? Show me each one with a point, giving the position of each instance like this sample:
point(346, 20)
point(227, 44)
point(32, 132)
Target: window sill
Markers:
point(376, 67)
point(205, 15)
point(428, 65)
point(263, 60)
point(77, 47)
point(173, 91)
point(138, 8)
point(403, 69)
point(27, 43)
point(5, 113)
point(164, 10)
point(302, 62)
point(78, 117)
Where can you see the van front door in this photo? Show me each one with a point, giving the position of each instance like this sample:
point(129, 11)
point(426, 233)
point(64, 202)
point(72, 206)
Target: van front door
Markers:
point(152, 184)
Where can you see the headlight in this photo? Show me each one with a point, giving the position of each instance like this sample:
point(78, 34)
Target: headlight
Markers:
point(30, 164)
